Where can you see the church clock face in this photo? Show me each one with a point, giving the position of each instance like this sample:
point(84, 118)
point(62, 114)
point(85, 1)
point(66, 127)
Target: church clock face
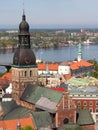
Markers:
point(27, 60)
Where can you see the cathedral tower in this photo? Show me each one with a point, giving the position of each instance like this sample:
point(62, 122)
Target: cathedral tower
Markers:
point(24, 68)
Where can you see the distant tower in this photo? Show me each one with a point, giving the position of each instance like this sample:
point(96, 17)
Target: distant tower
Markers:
point(24, 68)
point(79, 52)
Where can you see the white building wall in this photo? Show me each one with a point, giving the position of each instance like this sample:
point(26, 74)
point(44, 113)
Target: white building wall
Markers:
point(44, 72)
point(63, 69)
point(6, 99)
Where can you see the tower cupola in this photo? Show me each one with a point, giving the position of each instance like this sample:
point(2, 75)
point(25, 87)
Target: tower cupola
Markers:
point(24, 54)
point(24, 26)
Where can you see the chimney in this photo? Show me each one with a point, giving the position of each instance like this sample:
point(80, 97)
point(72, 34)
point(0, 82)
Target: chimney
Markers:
point(18, 126)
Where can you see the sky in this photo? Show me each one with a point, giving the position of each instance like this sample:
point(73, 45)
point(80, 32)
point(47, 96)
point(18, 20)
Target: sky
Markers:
point(49, 13)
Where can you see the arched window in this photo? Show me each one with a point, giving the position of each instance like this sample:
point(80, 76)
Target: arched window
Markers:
point(25, 74)
point(66, 121)
point(30, 73)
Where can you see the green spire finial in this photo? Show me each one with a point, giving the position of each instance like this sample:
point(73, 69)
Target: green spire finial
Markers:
point(79, 52)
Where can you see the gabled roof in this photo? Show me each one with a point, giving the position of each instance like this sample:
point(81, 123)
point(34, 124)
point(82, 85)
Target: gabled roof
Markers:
point(84, 117)
point(77, 64)
point(33, 93)
point(51, 67)
point(42, 119)
point(12, 124)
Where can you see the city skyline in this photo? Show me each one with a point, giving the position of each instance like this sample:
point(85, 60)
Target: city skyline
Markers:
point(49, 13)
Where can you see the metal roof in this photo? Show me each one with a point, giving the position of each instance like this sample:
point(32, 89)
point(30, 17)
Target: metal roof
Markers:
point(46, 104)
point(42, 119)
point(85, 117)
point(33, 93)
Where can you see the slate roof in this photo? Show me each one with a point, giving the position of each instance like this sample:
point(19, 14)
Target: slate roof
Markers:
point(17, 113)
point(8, 106)
point(42, 119)
point(85, 117)
point(12, 111)
point(33, 93)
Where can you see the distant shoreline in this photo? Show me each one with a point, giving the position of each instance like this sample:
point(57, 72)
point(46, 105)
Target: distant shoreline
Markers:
point(52, 29)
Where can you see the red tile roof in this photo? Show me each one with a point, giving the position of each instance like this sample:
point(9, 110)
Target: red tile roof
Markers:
point(12, 124)
point(51, 67)
point(77, 64)
point(68, 76)
point(58, 89)
point(7, 76)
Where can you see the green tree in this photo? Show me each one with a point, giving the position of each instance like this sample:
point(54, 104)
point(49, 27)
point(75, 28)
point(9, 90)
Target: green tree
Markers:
point(27, 128)
point(93, 61)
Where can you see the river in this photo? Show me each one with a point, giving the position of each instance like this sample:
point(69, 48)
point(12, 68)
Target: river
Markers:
point(67, 53)
point(58, 54)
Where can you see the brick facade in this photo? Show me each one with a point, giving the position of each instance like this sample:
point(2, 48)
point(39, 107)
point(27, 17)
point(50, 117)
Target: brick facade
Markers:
point(65, 109)
point(22, 77)
point(89, 103)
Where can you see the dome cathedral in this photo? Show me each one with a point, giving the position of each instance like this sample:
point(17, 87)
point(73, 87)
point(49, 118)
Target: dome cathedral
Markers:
point(24, 55)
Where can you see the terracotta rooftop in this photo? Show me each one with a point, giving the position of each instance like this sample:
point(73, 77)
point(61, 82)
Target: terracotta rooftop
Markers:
point(7, 76)
point(12, 124)
point(77, 64)
point(68, 76)
point(53, 67)
point(58, 89)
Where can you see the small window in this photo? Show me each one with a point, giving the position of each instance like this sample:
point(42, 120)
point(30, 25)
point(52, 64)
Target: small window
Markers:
point(97, 117)
point(90, 109)
point(96, 103)
point(84, 103)
point(96, 109)
point(91, 103)
point(78, 103)
point(66, 121)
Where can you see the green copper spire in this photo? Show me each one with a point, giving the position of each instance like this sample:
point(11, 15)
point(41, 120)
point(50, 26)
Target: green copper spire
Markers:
point(79, 52)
